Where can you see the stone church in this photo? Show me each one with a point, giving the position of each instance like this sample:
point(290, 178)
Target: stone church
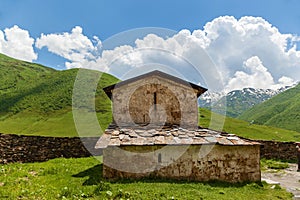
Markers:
point(155, 134)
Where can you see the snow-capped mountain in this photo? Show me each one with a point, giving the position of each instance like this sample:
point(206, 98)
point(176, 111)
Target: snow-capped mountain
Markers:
point(237, 101)
point(208, 98)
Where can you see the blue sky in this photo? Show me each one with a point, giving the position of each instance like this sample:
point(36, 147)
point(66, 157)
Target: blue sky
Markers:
point(104, 19)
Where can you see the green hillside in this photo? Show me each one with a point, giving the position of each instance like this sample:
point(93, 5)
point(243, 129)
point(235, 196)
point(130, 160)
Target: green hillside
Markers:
point(281, 111)
point(38, 100)
point(246, 129)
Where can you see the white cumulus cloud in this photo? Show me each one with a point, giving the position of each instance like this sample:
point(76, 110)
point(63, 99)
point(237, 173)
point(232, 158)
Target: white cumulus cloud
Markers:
point(247, 52)
point(17, 43)
point(77, 48)
point(232, 41)
point(256, 76)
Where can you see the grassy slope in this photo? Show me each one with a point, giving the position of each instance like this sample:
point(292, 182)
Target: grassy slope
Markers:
point(247, 130)
point(82, 178)
point(282, 111)
point(38, 100)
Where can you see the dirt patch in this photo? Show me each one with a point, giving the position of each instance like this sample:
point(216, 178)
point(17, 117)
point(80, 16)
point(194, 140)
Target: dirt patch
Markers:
point(288, 178)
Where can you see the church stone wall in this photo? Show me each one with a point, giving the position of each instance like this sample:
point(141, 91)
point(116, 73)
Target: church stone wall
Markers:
point(155, 100)
point(224, 163)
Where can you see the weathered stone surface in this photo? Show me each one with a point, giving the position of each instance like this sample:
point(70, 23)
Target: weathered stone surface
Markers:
point(19, 148)
point(166, 136)
point(199, 140)
point(155, 100)
point(104, 141)
point(160, 140)
point(225, 163)
point(114, 142)
point(278, 150)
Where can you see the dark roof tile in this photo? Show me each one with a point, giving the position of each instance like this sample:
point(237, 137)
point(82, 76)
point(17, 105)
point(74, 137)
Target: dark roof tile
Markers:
point(167, 136)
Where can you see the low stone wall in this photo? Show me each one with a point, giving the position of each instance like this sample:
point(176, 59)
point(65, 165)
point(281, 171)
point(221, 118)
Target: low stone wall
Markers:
point(278, 150)
point(19, 148)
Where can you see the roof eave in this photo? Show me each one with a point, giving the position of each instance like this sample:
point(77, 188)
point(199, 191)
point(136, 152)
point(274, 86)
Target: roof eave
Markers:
point(198, 89)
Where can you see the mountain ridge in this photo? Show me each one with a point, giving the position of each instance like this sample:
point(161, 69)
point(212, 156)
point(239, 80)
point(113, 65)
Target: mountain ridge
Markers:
point(283, 110)
point(235, 102)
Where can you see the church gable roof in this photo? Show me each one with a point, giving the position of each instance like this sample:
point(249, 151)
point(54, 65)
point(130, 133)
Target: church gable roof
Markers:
point(198, 89)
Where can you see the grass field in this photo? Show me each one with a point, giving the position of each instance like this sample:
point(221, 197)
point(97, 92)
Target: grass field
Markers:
point(62, 125)
point(82, 179)
point(37, 100)
point(272, 164)
point(58, 125)
point(246, 129)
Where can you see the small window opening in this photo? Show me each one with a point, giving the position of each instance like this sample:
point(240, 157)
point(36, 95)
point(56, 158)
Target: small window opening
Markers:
point(146, 120)
point(159, 158)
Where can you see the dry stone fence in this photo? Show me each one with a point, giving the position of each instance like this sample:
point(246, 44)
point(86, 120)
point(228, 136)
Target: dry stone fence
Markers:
point(20, 148)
